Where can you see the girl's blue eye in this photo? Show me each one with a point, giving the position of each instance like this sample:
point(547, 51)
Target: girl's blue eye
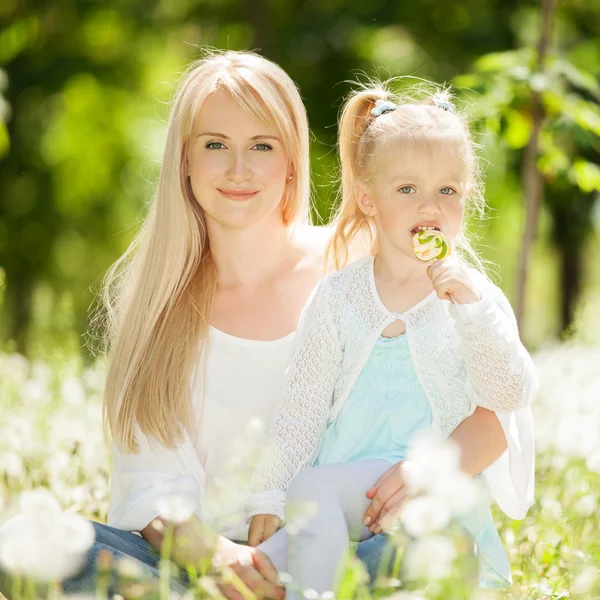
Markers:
point(407, 189)
point(447, 191)
point(215, 146)
point(263, 147)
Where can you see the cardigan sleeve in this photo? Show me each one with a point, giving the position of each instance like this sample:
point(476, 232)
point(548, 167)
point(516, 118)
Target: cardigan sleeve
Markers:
point(301, 412)
point(511, 477)
point(501, 377)
point(500, 373)
point(139, 481)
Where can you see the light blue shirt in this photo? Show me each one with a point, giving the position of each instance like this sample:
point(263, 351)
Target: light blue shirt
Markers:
point(385, 409)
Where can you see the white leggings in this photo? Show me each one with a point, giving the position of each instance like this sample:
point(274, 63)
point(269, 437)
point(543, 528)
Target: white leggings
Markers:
point(337, 492)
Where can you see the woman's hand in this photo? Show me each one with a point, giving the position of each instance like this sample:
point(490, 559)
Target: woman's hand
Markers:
point(451, 281)
point(262, 527)
point(387, 496)
point(243, 568)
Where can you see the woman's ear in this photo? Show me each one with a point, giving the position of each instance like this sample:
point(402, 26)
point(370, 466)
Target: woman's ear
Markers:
point(363, 199)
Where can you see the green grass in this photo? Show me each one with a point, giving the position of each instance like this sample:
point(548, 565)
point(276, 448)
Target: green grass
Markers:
point(51, 436)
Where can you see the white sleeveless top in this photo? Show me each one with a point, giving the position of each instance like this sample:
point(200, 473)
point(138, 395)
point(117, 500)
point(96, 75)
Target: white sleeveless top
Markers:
point(243, 380)
point(233, 401)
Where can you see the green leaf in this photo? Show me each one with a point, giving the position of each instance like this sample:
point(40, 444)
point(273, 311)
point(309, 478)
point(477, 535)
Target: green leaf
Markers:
point(577, 77)
point(586, 175)
point(584, 113)
point(4, 140)
point(518, 129)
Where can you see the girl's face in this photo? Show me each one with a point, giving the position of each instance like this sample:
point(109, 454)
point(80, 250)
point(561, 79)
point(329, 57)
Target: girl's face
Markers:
point(237, 165)
point(415, 184)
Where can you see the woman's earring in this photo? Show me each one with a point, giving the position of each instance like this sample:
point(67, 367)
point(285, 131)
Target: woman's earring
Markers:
point(291, 177)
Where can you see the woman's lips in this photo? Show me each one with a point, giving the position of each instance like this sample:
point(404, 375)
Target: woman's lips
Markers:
point(237, 195)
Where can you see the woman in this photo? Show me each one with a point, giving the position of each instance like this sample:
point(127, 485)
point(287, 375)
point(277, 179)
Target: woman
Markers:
point(203, 309)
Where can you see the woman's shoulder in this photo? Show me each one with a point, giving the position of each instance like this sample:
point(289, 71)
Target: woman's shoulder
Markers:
point(313, 238)
point(311, 243)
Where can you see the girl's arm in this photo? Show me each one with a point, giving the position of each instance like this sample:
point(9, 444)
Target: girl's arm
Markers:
point(500, 373)
point(300, 414)
point(481, 440)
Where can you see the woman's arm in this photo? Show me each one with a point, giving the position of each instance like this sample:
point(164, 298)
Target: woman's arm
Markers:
point(195, 544)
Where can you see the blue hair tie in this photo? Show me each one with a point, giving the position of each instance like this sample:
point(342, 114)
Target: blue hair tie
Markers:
point(382, 107)
point(444, 105)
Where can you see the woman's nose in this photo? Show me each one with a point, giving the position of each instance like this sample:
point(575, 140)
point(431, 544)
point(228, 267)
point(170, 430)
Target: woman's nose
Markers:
point(239, 169)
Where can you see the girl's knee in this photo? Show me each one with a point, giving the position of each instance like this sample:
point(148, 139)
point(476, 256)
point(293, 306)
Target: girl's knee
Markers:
point(309, 484)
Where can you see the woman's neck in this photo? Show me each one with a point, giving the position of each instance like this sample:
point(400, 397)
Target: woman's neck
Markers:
point(250, 256)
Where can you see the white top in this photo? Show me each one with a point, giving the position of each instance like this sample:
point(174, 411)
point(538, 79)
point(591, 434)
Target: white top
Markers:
point(212, 471)
point(464, 356)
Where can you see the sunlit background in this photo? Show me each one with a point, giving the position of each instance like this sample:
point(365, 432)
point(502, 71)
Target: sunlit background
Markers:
point(84, 97)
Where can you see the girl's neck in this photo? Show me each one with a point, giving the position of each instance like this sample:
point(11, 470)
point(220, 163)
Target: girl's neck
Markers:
point(250, 256)
point(394, 267)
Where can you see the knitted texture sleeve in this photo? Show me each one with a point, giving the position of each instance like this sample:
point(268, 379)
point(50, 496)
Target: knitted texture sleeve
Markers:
point(500, 373)
point(300, 415)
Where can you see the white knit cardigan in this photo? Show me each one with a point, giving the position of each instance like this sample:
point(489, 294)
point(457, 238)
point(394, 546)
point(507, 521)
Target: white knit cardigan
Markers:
point(465, 356)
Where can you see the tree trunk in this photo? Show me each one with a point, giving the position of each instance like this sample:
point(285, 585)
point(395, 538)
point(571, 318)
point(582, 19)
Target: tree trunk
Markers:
point(531, 178)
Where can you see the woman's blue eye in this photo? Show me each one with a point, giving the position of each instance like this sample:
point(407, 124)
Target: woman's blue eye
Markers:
point(263, 147)
point(447, 191)
point(215, 146)
point(407, 189)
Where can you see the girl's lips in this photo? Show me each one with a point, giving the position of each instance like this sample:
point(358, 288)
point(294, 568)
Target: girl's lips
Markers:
point(238, 195)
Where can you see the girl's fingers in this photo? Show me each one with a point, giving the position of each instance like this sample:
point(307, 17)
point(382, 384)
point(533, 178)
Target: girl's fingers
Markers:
point(389, 513)
point(271, 526)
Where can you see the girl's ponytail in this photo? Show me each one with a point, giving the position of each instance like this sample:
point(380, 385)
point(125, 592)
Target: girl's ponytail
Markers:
point(349, 221)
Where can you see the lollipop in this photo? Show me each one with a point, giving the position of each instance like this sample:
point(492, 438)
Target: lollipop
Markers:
point(429, 245)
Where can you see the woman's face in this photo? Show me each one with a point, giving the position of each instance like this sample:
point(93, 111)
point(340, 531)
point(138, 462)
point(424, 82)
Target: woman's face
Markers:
point(238, 167)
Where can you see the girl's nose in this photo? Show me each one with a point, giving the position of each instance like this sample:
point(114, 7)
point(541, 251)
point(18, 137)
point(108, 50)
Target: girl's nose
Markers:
point(429, 205)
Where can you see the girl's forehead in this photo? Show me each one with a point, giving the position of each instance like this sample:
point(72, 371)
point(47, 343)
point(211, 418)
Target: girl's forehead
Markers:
point(421, 158)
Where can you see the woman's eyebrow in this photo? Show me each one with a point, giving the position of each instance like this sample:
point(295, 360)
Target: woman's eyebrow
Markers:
point(226, 137)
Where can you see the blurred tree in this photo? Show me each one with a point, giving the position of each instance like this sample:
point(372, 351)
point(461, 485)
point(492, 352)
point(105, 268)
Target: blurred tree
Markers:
point(88, 110)
point(539, 101)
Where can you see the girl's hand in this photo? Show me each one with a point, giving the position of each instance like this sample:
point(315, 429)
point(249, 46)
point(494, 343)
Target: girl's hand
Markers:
point(387, 496)
point(262, 527)
point(451, 280)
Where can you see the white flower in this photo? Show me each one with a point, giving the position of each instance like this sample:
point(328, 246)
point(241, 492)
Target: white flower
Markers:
point(584, 582)
point(129, 568)
point(424, 515)
point(35, 391)
point(176, 509)
point(12, 464)
point(430, 558)
point(430, 459)
point(593, 461)
point(457, 491)
point(72, 391)
point(45, 545)
point(577, 434)
point(40, 508)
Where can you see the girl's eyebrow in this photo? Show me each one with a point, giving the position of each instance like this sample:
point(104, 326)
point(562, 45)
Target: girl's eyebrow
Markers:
point(226, 137)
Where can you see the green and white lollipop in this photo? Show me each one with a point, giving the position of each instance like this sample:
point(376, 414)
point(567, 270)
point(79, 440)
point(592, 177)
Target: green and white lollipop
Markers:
point(429, 245)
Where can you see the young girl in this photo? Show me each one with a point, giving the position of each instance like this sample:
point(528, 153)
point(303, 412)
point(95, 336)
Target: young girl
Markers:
point(389, 346)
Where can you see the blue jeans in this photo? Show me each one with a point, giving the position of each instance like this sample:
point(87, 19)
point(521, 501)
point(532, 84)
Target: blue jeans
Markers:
point(124, 544)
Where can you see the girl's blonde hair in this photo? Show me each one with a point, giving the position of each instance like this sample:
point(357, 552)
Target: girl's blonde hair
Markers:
point(362, 136)
point(158, 295)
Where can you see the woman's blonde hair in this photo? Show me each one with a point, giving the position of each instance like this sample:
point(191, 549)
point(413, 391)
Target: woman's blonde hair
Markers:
point(158, 295)
point(417, 116)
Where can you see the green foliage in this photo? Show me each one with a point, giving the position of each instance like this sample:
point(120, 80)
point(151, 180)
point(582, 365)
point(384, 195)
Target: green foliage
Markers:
point(84, 91)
